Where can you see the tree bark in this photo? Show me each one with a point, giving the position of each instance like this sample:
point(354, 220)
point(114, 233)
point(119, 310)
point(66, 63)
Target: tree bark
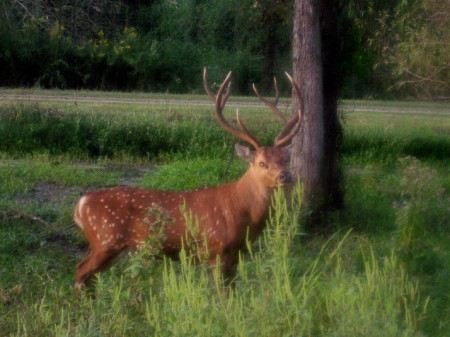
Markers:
point(314, 151)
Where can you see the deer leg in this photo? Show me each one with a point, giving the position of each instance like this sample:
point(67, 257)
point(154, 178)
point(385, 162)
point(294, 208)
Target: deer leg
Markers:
point(228, 266)
point(95, 261)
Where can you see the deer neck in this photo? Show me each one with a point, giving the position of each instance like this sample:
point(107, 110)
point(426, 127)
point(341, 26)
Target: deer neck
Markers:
point(254, 197)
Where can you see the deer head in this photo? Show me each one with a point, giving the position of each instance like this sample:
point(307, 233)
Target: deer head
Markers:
point(267, 164)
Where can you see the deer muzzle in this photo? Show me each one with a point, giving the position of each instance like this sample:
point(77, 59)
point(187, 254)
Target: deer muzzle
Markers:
point(285, 177)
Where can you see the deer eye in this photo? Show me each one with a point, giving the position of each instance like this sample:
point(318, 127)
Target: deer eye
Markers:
point(262, 164)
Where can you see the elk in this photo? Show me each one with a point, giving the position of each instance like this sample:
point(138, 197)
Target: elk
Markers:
point(118, 219)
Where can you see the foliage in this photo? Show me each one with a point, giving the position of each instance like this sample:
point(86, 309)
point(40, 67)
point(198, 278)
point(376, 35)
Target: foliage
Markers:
point(163, 49)
point(409, 42)
point(389, 49)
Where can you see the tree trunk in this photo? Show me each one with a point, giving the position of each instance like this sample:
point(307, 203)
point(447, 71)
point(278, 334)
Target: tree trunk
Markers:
point(315, 147)
point(332, 80)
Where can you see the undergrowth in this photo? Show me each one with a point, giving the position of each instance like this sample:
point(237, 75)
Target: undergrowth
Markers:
point(279, 291)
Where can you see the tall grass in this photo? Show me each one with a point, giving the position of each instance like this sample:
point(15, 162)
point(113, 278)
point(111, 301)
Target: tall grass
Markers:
point(29, 130)
point(279, 291)
point(26, 129)
point(158, 131)
point(384, 137)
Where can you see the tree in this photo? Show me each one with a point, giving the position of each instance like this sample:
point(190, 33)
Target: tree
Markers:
point(274, 14)
point(408, 43)
point(315, 49)
point(414, 44)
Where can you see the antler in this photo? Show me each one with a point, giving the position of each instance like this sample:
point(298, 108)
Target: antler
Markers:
point(272, 106)
point(291, 128)
point(219, 101)
point(288, 130)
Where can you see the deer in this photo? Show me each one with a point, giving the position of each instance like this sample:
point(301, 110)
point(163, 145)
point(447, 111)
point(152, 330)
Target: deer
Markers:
point(118, 219)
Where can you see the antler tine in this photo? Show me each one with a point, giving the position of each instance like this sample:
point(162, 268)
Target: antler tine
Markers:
point(239, 121)
point(277, 93)
point(221, 97)
point(272, 106)
point(205, 85)
point(289, 130)
point(219, 101)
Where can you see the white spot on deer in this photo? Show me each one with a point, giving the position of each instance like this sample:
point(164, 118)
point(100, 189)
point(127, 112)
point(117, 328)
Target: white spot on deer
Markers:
point(98, 236)
point(133, 200)
point(102, 200)
point(106, 206)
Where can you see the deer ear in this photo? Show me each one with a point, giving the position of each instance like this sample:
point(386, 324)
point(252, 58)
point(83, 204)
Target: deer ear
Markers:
point(288, 150)
point(244, 152)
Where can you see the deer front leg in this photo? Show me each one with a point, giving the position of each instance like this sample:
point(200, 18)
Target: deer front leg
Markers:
point(227, 266)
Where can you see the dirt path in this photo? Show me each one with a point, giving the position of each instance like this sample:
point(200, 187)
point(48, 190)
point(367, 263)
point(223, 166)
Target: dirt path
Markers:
point(348, 106)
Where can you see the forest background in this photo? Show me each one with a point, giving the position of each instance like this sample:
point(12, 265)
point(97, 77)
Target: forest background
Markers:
point(396, 49)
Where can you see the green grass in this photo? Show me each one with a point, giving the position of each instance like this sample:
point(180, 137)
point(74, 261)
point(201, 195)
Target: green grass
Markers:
point(383, 272)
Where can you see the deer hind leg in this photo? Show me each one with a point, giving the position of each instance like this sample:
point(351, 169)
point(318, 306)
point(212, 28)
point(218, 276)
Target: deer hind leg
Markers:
point(94, 262)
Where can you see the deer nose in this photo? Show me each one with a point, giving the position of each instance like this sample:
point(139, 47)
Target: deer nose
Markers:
point(285, 177)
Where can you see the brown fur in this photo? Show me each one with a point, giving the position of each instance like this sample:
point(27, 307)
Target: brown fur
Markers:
point(118, 219)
